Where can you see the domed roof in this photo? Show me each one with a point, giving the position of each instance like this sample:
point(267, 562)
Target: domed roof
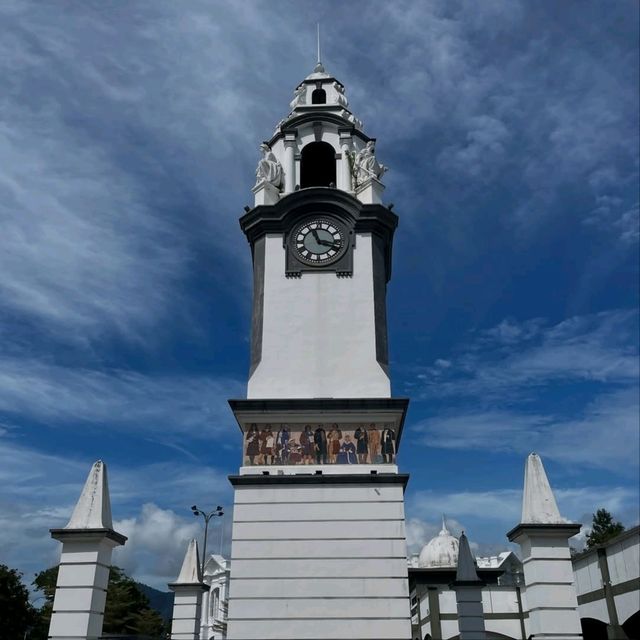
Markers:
point(441, 551)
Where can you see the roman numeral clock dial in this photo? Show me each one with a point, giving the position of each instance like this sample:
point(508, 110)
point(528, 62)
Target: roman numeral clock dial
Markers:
point(319, 242)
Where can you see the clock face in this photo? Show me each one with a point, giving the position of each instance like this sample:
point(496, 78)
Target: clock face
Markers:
point(319, 241)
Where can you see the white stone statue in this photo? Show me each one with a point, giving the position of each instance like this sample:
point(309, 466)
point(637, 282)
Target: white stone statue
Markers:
point(269, 168)
point(366, 166)
point(300, 97)
point(341, 98)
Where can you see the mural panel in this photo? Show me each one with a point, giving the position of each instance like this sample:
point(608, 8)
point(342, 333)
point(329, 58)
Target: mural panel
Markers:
point(299, 444)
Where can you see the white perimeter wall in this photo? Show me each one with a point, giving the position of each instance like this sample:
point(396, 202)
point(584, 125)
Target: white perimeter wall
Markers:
point(623, 559)
point(319, 562)
point(318, 337)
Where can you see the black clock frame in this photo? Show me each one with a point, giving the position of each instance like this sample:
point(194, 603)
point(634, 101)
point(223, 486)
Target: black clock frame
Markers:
point(342, 264)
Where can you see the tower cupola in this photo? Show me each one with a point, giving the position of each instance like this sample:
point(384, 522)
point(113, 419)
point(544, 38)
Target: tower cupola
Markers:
point(321, 244)
point(320, 143)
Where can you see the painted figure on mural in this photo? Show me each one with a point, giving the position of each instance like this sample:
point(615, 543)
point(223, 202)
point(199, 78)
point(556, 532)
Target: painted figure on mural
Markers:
point(362, 444)
point(252, 443)
point(267, 442)
point(388, 442)
point(374, 444)
point(320, 445)
point(347, 453)
point(306, 442)
point(333, 440)
point(295, 452)
point(282, 445)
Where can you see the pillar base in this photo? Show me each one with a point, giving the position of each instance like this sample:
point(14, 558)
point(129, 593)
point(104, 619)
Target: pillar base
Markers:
point(265, 193)
point(370, 191)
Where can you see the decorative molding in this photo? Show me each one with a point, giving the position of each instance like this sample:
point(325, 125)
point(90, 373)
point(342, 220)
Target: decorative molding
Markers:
point(569, 529)
point(81, 535)
point(337, 478)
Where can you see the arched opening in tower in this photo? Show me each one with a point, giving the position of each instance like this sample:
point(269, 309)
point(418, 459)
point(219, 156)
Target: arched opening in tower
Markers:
point(317, 165)
point(319, 96)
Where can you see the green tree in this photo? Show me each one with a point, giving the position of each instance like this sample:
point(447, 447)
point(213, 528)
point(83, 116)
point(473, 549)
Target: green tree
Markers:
point(127, 609)
point(17, 615)
point(603, 528)
point(45, 582)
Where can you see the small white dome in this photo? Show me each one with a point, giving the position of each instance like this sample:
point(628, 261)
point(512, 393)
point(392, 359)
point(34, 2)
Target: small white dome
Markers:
point(441, 551)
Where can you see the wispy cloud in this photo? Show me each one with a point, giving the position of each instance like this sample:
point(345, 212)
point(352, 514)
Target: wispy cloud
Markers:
point(529, 103)
point(605, 436)
point(117, 399)
point(513, 357)
point(119, 144)
point(505, 505)
point(510, 384)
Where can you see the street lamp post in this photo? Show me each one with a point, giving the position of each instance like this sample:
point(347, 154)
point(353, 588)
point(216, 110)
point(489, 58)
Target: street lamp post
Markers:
point(217, 512)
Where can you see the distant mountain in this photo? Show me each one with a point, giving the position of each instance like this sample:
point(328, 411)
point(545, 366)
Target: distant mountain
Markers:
point(161, 601)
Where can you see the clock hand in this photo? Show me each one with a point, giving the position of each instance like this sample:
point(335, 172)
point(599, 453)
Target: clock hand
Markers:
point(314, 233)
point(332, 245)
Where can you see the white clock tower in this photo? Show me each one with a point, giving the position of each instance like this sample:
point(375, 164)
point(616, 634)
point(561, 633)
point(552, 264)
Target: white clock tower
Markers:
point(319, 549)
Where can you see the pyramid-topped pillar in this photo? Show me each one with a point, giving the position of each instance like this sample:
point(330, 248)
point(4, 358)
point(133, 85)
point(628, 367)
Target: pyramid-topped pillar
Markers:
point(88, 541)
point(468, 588)
point(187, 602)
point(543, 536)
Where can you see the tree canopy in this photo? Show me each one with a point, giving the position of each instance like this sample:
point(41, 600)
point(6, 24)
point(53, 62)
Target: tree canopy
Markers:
point(17, 615)
point(603, 528)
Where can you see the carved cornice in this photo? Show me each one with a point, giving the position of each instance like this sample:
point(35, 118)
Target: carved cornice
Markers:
point(321, 113)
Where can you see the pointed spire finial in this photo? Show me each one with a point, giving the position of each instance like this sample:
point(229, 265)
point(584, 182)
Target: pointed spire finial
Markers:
point(466, 570)
point(190, 572)
point(538, 502)
point(444, 531)
point(93, 509)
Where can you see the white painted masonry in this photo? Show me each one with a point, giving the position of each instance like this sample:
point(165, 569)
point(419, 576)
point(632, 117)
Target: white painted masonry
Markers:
point(319, 562)
point(88, 541)
point(318, 337)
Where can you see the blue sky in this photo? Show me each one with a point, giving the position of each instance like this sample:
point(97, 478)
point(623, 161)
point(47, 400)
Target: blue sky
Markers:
point(129, 135)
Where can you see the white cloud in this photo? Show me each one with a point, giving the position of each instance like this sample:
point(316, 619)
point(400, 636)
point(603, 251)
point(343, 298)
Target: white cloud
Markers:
point(157, 540)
